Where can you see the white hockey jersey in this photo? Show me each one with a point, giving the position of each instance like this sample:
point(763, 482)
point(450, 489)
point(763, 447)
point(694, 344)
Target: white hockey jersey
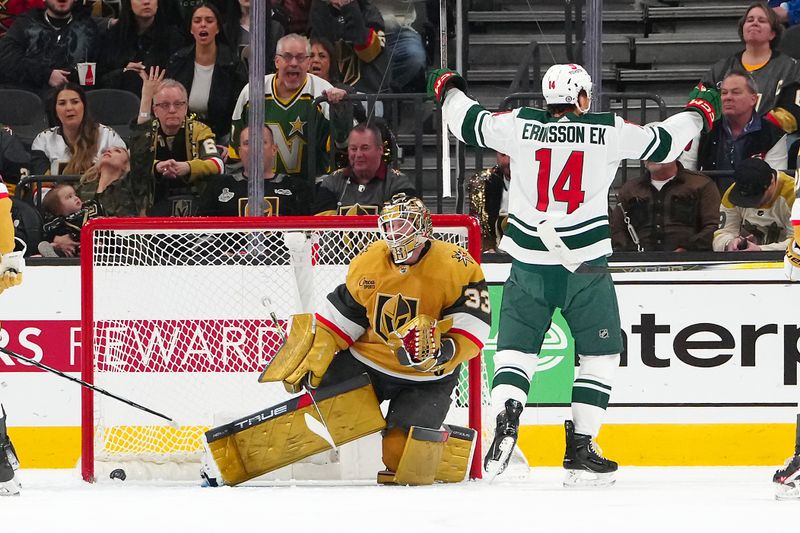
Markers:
point(53, 145)
point(561, 171)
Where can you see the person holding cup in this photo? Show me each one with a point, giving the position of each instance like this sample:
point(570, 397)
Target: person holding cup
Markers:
point(43, 47)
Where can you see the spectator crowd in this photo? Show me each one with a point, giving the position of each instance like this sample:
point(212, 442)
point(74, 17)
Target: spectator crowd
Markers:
point(728, 191)
point(185, 64)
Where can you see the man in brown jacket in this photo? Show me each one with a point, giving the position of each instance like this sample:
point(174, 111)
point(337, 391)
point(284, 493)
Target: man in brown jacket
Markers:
point(669, 209)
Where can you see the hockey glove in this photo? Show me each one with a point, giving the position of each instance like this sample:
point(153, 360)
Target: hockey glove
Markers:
point(315, 363)
point(419, 343)
point(11, 266)
point(441, 79)
point(786, 113)
point(705, 101)
point(791, 263)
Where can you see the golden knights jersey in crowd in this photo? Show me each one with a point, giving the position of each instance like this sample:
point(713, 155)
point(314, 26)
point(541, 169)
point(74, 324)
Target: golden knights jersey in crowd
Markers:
point(768, 225)
point(227, 196)
point(72, 224)
point(338, 194)
point(289, 122)
point(562, 168)
point(194, 143)
point(380, 296)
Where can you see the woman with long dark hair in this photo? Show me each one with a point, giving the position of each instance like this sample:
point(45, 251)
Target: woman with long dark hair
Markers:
point(210, 71)
point(141, 39)
point(76, 142)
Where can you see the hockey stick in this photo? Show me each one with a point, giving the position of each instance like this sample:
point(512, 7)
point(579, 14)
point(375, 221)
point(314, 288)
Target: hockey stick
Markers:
point(676, 267)
point(445, 134)
point(318, 427)
point(89, 386)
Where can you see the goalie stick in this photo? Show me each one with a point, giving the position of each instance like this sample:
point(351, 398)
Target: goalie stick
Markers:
point(88, 386)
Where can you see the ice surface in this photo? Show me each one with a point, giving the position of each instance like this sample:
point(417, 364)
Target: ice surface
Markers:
point(644, 500)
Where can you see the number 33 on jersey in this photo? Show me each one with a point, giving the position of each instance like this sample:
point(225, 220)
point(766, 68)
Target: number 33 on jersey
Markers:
point(562, 169)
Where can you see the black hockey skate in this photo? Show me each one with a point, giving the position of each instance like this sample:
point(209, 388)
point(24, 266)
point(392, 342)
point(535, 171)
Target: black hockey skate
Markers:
point(505, 438)
point(9, 464)
point(584, 462)
point(787, 480)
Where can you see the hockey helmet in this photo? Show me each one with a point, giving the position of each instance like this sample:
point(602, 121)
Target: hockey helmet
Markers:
point(563, 83)
point(404, 223)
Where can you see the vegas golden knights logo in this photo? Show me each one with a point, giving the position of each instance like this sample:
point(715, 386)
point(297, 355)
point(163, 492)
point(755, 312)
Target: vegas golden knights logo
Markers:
point(357, 210)
point(391, 312)
point(271, 206)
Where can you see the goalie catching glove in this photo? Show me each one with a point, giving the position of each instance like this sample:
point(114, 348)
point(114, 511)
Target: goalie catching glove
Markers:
point(706, 102)
point(791, 263)
point(442, 79)
point(308, 351)
point(419, 343)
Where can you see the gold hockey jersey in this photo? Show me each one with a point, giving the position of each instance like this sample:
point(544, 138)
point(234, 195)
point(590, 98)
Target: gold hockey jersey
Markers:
point(380, 296)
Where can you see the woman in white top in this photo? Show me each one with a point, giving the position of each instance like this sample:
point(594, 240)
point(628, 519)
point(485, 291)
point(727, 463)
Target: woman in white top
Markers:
point(210, 71)
point(77, 141)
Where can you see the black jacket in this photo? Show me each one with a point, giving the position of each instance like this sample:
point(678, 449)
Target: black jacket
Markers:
point(357, 32)
point(120, 46)
point(712, 153)
point(227, 82)
point(33, 48)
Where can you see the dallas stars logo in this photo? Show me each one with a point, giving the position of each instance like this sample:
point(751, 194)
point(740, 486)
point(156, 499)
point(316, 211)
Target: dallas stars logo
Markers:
point(462, 257)
point(297, 126)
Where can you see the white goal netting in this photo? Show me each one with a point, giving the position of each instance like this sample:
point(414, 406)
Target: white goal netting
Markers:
point(176, 317)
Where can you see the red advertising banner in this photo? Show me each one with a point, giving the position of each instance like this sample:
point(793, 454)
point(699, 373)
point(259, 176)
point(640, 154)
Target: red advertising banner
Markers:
point(55, 343)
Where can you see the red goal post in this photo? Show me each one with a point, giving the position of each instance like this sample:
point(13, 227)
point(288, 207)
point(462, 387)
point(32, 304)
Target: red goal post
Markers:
point(174, 317)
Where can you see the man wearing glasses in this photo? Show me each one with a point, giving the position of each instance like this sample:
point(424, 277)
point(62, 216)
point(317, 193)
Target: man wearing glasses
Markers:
point(288, 109)
point(183, 149)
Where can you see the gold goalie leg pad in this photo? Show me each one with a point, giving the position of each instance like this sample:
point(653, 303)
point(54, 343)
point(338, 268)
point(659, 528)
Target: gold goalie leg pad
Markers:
point(279, 435)
point(421, 456)
point(457, 454)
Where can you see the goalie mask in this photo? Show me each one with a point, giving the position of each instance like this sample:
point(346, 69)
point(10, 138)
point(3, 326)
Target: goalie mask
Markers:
point(562, 84)
point(405, 224)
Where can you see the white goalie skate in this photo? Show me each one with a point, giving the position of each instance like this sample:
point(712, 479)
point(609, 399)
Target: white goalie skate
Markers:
point(209, 471)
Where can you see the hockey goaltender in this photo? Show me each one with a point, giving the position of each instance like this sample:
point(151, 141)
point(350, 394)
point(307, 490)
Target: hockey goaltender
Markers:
point(411, 311)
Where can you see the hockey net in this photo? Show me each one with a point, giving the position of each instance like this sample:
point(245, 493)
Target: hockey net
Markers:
point(176, 316)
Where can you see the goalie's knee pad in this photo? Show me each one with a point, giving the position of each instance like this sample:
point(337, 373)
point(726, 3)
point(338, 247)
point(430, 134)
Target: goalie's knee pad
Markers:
point(427, 455)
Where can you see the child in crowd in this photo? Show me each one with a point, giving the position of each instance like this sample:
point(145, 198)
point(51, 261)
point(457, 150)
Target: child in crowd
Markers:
point(67, 215)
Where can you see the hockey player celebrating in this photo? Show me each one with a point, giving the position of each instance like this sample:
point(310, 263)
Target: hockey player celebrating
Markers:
point(11, 265)
point(564, 160)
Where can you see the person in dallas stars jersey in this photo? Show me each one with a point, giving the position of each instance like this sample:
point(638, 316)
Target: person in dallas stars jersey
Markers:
point(11, 265)
point(563, 160)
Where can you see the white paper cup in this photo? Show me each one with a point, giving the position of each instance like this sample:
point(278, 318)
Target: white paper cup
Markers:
point(87, 73)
